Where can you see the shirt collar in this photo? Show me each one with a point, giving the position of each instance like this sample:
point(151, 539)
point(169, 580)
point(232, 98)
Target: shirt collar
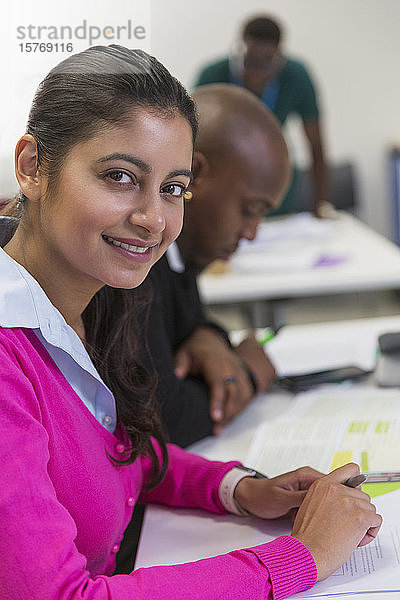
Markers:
point(23, 303)
point(174, 258)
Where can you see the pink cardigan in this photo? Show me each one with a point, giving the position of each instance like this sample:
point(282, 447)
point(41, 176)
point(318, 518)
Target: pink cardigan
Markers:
point(64, 504)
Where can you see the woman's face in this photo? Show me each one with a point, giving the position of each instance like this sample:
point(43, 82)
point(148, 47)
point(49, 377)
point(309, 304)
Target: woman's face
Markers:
point(118, 202)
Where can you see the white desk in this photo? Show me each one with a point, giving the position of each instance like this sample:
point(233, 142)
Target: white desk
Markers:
point(371, 263)
point(173, 536)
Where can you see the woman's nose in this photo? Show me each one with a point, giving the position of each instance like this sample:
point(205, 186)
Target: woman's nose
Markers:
point(149, 214)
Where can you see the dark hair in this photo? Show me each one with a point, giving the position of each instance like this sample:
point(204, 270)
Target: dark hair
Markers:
point(83, 94)
point(262, 29)
point(111, 326)
point(97, 88)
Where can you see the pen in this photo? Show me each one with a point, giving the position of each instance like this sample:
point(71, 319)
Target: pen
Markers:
point(373, 477)
point(381, 476)
point(355, 481)
point(267, 334)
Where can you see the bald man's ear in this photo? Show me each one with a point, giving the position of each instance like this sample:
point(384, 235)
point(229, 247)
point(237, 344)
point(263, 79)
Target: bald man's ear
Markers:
point(200, 169)
point(26, 170)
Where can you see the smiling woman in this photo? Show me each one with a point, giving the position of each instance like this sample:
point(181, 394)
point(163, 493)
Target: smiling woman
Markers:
point(96, 164)
point(103, 169)
point(123, 186)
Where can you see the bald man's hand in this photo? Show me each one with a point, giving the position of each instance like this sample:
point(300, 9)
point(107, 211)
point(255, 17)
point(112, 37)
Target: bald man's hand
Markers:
point(255, 358)
point(206, 354)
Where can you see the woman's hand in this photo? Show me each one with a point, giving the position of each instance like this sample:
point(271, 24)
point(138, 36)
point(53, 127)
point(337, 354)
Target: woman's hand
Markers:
point(334, 519)
point(277, 496)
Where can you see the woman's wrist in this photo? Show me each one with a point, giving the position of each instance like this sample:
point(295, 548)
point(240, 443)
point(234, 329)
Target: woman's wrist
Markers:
point(242, 494)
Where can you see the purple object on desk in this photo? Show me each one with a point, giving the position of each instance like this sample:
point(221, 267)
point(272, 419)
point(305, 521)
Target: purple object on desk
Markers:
point(329, 261)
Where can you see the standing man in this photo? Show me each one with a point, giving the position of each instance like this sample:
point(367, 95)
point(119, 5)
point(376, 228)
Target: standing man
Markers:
point(241, 171)
point(283, 85)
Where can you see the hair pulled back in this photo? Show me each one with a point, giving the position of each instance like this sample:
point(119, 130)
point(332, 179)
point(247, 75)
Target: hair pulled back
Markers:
point(83, 95)
point(96, 88)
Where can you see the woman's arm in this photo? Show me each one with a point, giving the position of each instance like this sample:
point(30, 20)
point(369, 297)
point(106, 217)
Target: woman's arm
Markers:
point(41, 545)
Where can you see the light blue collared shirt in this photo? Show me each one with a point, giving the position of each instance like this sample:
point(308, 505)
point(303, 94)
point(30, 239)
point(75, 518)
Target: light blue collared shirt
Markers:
point(174, 258)
point(23, 303)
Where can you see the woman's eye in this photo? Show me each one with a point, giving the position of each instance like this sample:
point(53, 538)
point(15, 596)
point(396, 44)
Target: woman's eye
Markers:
point(119, 177)
point(173, 189)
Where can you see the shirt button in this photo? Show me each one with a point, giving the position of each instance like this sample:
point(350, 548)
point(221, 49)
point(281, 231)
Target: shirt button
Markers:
point(107, 420)
point(119, 448)
point(131, 501)
point(115, 548)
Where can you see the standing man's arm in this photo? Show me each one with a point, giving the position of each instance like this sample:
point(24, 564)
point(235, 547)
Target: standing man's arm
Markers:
point(319, 171)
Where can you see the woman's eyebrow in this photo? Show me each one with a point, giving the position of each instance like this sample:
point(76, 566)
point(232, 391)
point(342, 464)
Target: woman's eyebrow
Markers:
point(181, 172)
point(134, 160)
point(146, 168)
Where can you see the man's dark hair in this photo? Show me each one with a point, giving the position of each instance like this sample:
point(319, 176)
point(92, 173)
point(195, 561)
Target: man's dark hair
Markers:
point(262, 29)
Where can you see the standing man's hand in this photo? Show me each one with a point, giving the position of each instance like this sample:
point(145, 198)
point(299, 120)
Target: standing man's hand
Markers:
point(312, 132)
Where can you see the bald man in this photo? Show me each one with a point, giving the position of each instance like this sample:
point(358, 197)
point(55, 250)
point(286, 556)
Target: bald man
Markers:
point(241, 171)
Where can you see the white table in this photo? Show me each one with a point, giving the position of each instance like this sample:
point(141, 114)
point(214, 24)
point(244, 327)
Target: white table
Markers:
point(370, 263)
point(171, 536)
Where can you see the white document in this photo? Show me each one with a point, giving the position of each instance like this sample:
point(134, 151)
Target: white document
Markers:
point(302, 226)
point(301, 350)
point(290, 244)
point(188, 535)
point(372, 568)
point(345, 401)
point(330, 427)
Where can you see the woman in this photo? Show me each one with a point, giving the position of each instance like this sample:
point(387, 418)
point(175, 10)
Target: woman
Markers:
point(103, 170)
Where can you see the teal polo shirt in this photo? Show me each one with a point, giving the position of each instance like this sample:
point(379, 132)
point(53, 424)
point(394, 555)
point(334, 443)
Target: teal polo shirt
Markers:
point(295, 96)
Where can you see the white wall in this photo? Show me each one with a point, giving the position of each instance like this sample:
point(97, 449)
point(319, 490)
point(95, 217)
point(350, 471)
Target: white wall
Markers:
point(352, 48)
point(21, 72)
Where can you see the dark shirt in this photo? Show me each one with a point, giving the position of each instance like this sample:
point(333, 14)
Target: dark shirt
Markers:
point(175, 312)
point(296, 93)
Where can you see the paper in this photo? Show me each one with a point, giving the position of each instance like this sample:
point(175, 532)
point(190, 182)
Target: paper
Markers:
point(325, 429)
point(300, 350)
point(375, 567)
point(293, 243)
point(283, 445)
point(341, 402)
point(302, 226)
point(328, 428)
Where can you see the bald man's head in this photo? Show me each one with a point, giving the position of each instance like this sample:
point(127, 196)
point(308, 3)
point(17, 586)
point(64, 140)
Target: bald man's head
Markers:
point(241, 171)
point(231, 117)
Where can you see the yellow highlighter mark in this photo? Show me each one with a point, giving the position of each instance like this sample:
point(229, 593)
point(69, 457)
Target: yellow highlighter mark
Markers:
point(378, 489)
point(357, 427)
point(364, 462)
point(341, 458)
point(382, 427)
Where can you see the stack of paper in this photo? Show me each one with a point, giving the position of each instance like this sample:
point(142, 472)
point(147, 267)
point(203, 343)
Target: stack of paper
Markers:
point(326, 429)
point(330, 427)
point(291, 244)
point(372, 568)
